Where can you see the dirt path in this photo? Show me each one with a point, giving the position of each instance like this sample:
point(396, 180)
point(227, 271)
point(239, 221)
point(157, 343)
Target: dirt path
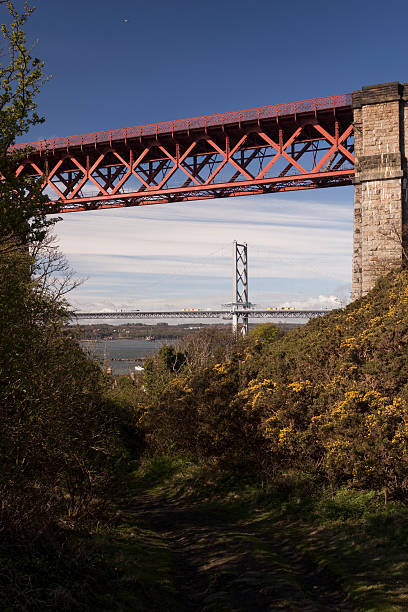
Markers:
point(220, 565)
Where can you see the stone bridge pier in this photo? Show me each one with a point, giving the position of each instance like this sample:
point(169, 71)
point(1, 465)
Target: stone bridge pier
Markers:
point(380, 183)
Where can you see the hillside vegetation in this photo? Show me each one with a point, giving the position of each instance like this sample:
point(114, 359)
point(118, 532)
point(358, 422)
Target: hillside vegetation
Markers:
point(329, 399)
point(295, 444)
point(289, 448)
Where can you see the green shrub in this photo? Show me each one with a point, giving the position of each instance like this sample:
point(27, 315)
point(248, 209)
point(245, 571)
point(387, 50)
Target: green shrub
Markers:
point(329, 399)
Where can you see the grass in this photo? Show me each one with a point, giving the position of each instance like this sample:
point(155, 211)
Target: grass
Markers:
point(117, 569)
point(361, 541)
point(358, 541)
point(141, 567)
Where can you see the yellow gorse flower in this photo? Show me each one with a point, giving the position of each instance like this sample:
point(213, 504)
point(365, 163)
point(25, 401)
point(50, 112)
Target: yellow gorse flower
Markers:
point(299, 385)
point(349, 343)
point(285, 434)
point(221, 368)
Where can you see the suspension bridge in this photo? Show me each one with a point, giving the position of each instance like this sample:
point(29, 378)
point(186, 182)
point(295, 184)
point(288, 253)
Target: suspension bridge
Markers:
point(252, 313)
point(238, 310)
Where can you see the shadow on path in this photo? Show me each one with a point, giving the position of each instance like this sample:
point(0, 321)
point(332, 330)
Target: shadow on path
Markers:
point(222, 565)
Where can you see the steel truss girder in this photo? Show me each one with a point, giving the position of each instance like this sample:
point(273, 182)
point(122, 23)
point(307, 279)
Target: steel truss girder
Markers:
point(307, 152)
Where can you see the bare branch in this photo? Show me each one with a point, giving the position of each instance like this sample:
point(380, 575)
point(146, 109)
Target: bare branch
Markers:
point(52, 274)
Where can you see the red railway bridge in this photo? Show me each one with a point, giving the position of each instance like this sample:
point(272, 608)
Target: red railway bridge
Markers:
point(298, 145)
point(357, 139)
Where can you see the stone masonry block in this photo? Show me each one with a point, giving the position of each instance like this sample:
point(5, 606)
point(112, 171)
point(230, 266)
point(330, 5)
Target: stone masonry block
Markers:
point(381, 182)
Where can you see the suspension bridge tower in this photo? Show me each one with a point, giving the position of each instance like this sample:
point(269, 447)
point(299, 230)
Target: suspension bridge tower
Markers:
point(240, 286)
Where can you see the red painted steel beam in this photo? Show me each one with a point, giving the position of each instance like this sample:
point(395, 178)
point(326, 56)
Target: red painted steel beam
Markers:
point(300, 145)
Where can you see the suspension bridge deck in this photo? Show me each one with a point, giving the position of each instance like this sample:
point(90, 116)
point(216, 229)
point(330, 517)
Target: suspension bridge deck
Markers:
point(201, 314)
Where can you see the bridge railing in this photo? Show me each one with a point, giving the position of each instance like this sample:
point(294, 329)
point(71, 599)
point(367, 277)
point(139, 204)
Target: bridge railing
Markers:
point(192, 123)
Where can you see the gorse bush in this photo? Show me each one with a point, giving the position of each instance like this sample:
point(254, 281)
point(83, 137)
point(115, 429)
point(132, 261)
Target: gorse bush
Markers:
point(330, 399)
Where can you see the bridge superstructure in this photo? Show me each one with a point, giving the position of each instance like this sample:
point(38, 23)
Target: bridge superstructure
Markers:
point(296, 145)
point(357, 138)
point(201, 314)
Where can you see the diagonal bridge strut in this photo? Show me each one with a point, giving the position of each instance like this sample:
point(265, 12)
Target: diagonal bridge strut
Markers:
point(299, 145)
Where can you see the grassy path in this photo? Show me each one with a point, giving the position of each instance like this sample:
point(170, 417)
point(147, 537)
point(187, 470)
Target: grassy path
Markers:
point(220, 564)
point(189, 538)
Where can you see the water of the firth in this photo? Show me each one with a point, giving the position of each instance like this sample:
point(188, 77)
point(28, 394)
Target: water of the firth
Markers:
point(121, 349)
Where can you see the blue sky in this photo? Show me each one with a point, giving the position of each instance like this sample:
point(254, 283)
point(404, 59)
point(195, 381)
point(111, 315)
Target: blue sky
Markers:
point(123, 63)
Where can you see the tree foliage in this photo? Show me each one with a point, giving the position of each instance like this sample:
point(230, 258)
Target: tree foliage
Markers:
point(60, 445)
point(266, 332)
point(23, 208)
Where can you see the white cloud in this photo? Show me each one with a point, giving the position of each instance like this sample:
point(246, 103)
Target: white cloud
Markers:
point(318, 302)
point(181, 254)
